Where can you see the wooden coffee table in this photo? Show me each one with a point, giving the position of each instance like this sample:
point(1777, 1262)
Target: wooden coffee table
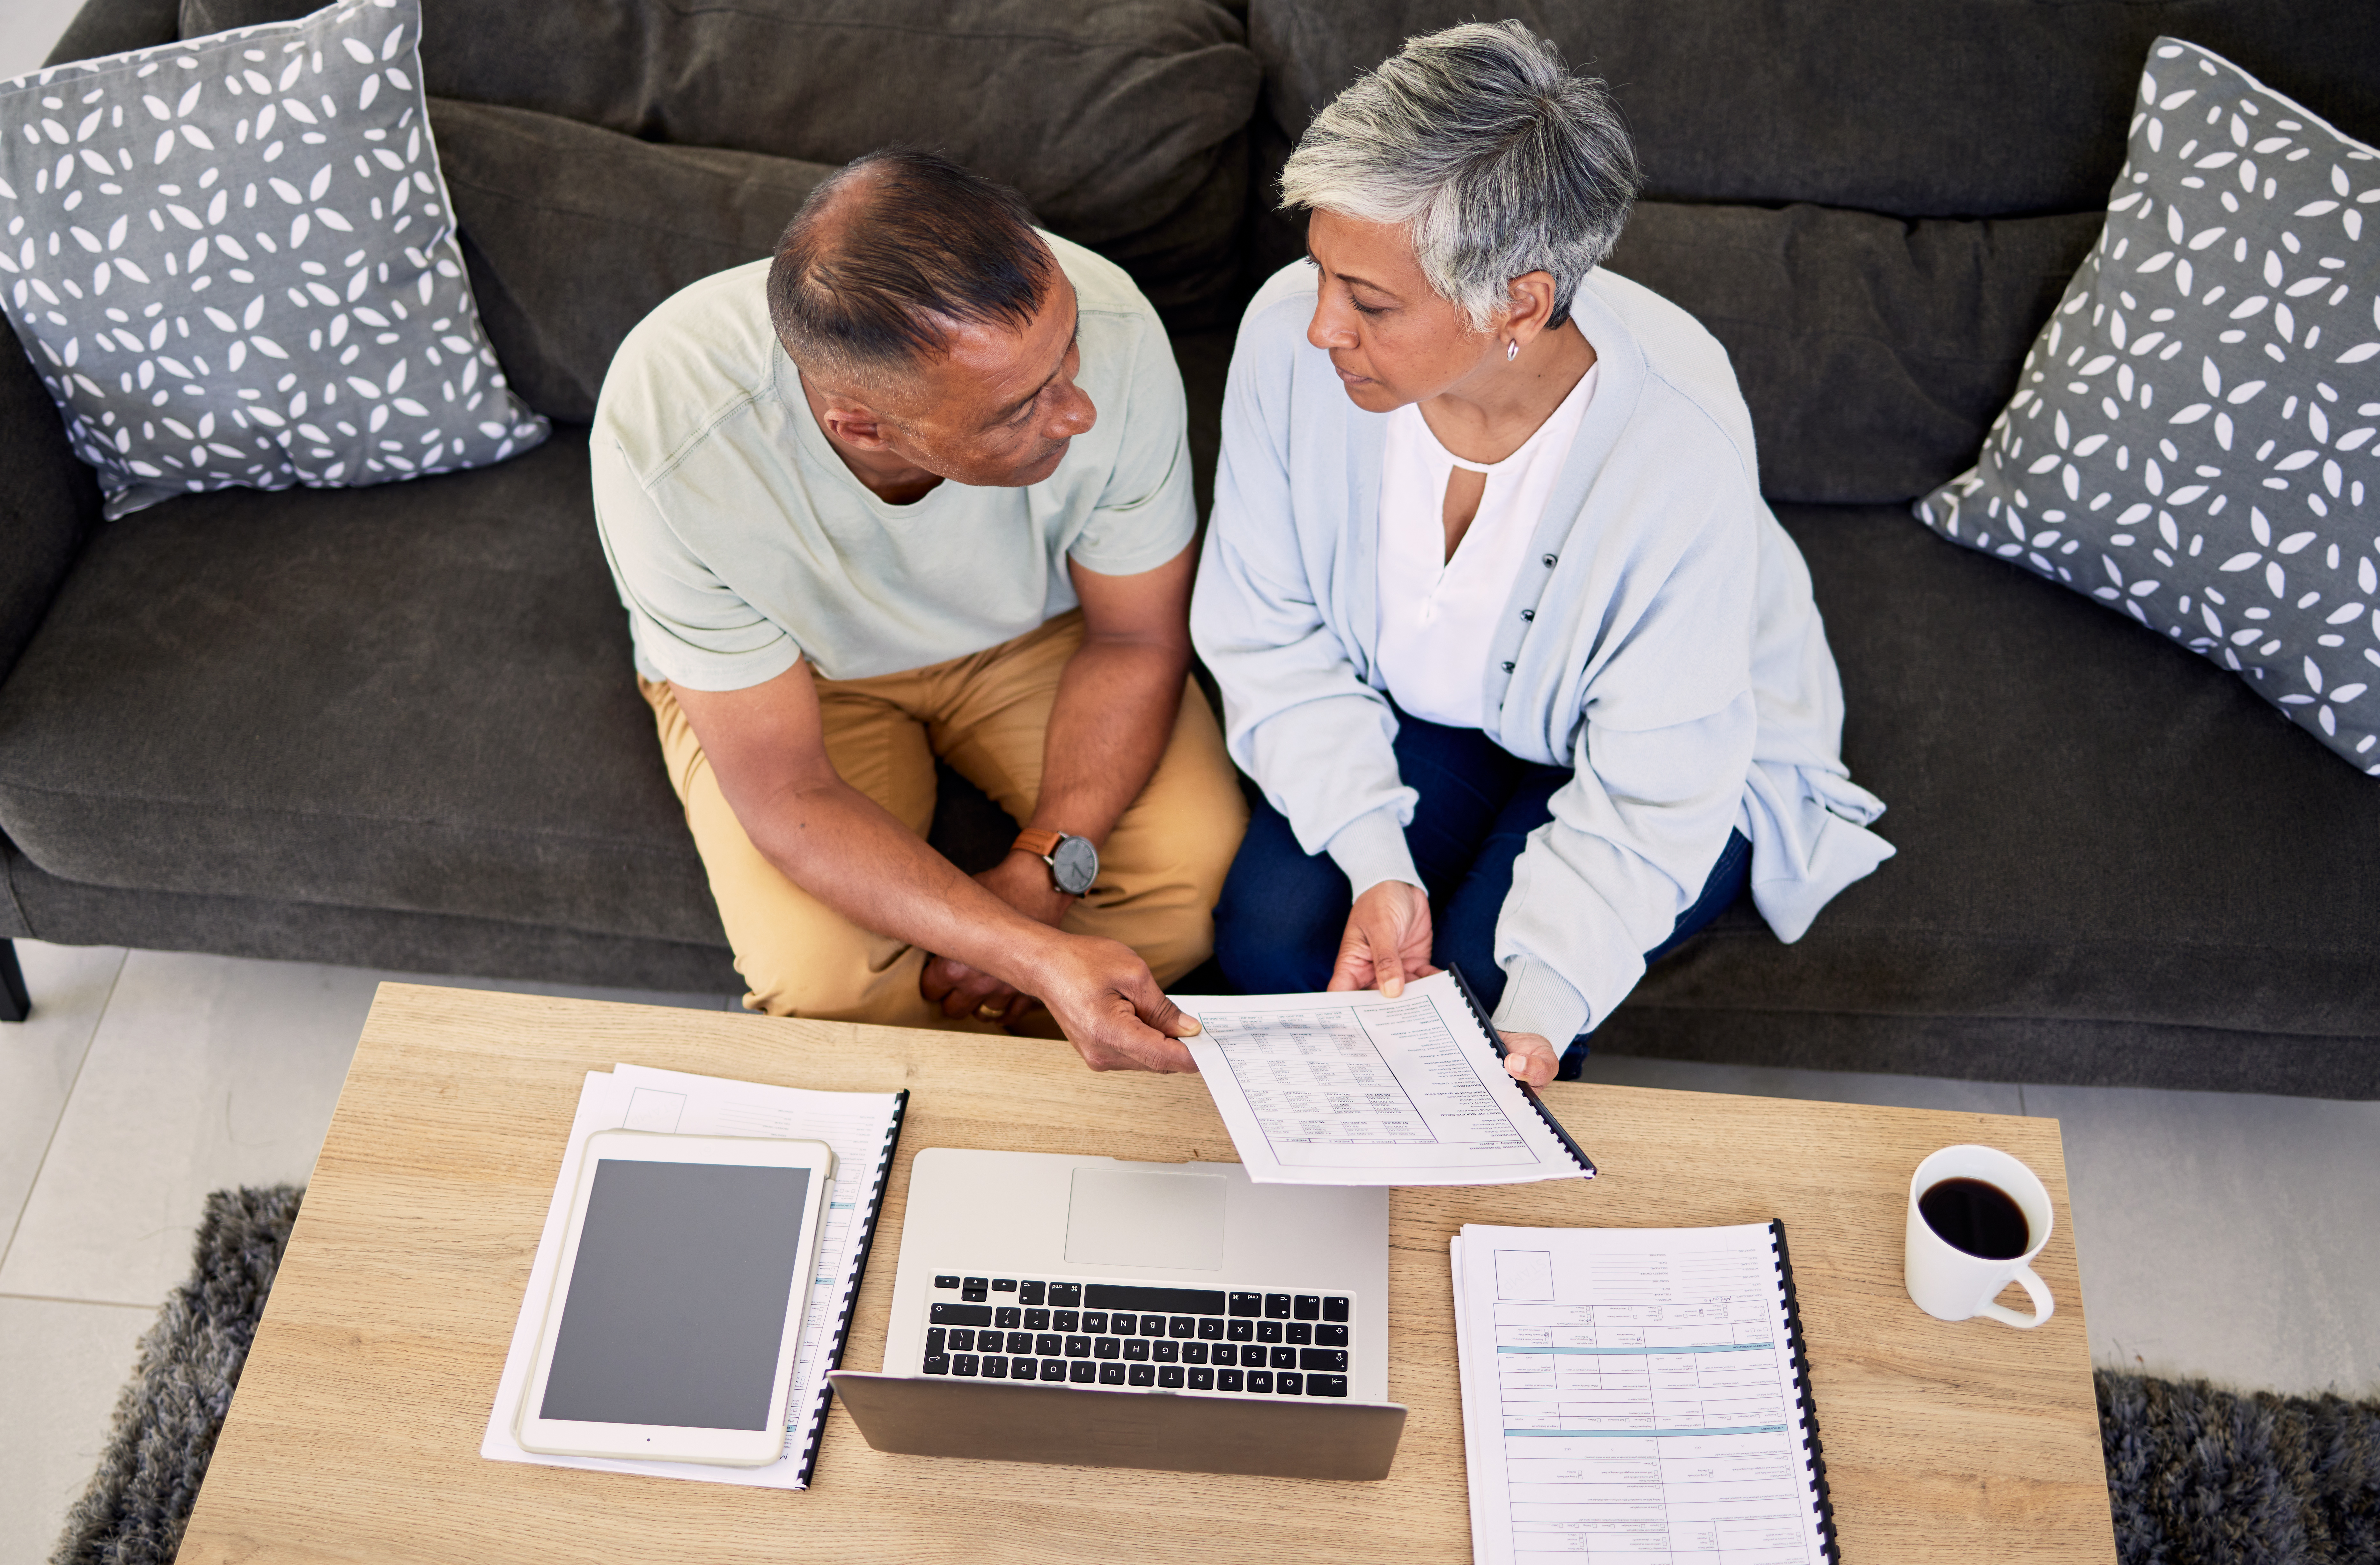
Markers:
point(355, 1435)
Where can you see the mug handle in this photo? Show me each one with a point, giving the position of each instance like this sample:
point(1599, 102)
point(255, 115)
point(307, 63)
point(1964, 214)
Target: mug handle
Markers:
point(2044, 1307)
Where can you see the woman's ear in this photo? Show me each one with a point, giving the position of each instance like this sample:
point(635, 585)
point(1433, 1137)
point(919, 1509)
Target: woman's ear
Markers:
point(1531, 308)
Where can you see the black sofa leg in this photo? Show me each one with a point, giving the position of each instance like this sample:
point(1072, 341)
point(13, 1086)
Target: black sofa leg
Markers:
point(15, 1006)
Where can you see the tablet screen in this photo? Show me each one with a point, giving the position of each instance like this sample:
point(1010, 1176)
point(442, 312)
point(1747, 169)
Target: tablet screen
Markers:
point(677, 1307)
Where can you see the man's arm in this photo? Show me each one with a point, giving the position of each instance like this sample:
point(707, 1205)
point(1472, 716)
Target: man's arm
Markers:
point(1109, 726)
point(767, 748)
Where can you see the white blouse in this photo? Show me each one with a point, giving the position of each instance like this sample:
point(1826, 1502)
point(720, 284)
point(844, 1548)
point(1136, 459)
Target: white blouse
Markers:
point(1436, 614)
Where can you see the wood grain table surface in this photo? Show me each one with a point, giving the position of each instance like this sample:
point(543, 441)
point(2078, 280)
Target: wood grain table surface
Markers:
point(355, 1435)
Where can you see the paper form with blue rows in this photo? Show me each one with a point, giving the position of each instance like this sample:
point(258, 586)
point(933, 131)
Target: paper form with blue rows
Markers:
point(1633, 1393)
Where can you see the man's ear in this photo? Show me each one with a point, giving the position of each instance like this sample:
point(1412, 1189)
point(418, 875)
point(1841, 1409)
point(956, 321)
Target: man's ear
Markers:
point(851, 421)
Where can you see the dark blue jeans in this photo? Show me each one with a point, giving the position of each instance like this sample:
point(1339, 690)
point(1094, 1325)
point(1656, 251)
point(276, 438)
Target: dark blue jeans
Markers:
point(1282, 910)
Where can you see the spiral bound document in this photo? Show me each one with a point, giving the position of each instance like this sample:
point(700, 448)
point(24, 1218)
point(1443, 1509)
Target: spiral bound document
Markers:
point(1358, 1088)
point(1637, 1390)
point(864, 1128)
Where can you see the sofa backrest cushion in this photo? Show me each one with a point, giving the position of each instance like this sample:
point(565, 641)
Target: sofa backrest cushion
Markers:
point(1120, 120)
point(1978, 108)
point(573, 234)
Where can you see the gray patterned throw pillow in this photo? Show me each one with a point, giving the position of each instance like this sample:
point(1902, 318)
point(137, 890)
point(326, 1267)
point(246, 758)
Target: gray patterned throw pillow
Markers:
point(233, 261)
point(2191, 441)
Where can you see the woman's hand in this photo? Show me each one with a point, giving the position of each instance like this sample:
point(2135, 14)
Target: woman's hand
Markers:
point(1531, 1057)
point(1387, 941)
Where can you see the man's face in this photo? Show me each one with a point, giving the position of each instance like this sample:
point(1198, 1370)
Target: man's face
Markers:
point(999, 407)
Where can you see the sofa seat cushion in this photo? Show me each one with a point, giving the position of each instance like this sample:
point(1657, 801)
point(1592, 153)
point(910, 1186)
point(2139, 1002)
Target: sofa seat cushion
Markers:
point(2091, 827)
point(414, 698)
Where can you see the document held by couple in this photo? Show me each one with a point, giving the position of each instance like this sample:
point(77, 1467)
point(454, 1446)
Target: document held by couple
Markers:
point(1358, 1088)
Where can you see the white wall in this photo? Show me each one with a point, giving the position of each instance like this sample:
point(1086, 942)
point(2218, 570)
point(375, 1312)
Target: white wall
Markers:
point(27, 29)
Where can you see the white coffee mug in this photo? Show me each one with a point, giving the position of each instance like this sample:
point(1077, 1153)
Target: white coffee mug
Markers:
point(1952, 1285)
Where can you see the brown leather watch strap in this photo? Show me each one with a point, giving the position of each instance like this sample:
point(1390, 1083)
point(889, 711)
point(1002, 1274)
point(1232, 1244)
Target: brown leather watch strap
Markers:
point(1040, 843)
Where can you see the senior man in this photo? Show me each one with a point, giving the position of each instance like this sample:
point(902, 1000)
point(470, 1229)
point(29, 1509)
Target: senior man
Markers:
point(918, 486)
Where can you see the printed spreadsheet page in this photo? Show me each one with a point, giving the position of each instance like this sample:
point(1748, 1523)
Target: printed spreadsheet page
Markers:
point(1358, 1088)
point(1631, 1393)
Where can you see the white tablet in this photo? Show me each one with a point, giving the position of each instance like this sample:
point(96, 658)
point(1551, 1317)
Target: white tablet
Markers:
point(677, 1309)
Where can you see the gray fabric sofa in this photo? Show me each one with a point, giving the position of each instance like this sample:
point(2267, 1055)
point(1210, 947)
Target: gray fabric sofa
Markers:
point(396, 726)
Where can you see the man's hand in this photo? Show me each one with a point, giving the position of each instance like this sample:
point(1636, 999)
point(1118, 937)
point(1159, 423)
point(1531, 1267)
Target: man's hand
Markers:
point(1024, 882)
point(1114, 1013)
point(1531, 1057)
point(1387, 941)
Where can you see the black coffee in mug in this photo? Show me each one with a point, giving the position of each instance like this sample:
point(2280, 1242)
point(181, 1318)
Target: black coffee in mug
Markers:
point(1977, 1217)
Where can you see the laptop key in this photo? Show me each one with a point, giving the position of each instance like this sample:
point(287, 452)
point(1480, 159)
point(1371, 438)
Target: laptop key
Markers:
point(1166, 1352)
point(1030, 1292)
point(1053, 1369)
point(1136, 1349)
point(1169, 1378)
point(1020, 1342)
point(1331, 1336)
point(1095, 1321)
point(1105, 1347)
point(1049, 1344)
point(1003, 1285)
point(975, 1289)
point(962, 1364)
point(1326, 1385)
point(1180, 1326)
point(1210, 1328)
point(1300, 1334)
point(959, 1315)
point(1140, 1374)
point(1062, 1320)
point(1332, 1359)
point(1008, 1318)
point(1202, 1379)
point(1152, 1326)
point(1335, 1310)
point(1194, 1353)
point(1260, 1380)
point(1078, 1346)
point(995, 1369)
point(946, 1280)
point(1289, 1385)
point(1039, 1320)
point(1112, 1374)
point(1123, 1325)
point(1224, 1352)
point(1268, 1330)
point(1305, 1306)
point(1246, 1304)
point(937, 1340)
point(1284, 1358)
point(1242, 1331)
point(963, 1340)
point(1066, 1295)
point(1082, 1372)
point(1276, 1306)
point(1228, 1380)
point(937, 1364)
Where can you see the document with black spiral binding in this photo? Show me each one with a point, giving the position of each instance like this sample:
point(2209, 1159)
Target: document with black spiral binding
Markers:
point(864, 1128)
point(1638, 1390)
point(1360, 1088)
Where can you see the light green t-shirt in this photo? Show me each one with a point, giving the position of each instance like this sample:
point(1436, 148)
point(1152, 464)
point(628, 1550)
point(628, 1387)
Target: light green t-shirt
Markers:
point(742, 544)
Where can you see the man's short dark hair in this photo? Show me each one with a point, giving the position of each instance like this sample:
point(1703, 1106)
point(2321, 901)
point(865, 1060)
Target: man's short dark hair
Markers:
point(894, 249)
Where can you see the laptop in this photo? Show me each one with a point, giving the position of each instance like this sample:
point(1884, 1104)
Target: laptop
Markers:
point(1166, 1316)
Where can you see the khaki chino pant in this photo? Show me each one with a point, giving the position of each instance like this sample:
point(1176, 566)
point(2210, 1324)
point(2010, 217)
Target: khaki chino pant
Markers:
point(1161, 869)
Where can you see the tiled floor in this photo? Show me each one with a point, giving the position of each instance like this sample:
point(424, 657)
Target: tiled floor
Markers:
point(2225, 1236)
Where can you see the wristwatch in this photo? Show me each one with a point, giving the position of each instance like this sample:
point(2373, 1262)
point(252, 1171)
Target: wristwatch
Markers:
point(1073, 862)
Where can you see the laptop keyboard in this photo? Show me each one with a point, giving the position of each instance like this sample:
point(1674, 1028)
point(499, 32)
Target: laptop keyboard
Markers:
point(1253, 1342)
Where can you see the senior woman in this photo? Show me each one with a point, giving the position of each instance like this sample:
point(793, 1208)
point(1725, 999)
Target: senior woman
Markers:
point(1529, 677)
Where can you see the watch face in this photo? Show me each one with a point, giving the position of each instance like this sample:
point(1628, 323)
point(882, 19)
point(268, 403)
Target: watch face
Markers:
point(1075, 865)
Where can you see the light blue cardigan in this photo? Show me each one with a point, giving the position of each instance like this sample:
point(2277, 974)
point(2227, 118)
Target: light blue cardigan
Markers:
point(1662, 641)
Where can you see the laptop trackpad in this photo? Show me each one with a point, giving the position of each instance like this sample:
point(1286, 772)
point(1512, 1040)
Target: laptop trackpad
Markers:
point(1126, 1217)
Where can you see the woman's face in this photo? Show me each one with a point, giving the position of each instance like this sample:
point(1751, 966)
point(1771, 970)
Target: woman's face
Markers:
point(1391, 338)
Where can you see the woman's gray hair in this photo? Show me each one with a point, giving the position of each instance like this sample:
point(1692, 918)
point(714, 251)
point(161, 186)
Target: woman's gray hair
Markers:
point(1498, 158)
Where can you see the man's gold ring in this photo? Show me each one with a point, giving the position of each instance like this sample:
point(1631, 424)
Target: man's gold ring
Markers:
point(987, 1012)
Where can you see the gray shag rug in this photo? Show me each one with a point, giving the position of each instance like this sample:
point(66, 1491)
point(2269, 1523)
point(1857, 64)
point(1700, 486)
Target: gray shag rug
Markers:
point(2196, 1475)
point(167, 1418)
